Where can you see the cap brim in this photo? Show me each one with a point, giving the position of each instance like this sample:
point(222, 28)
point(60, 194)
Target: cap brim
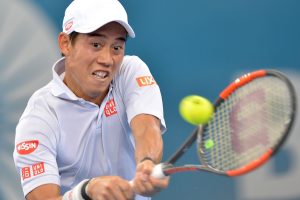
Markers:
point(95, 27)
point(128, 28)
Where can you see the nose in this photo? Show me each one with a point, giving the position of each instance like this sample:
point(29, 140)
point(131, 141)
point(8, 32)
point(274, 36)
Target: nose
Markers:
point(105, 57)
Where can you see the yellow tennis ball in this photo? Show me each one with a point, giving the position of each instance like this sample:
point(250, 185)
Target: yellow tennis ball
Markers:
point(196, 109)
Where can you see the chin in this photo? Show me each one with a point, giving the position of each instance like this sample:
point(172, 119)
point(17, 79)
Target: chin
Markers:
point(98, 93)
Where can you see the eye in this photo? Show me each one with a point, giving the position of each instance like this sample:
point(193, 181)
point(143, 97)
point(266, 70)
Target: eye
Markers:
point(118, 49)
point(96, 45)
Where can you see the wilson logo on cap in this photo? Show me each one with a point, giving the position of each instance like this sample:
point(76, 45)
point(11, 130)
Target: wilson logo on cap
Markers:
point(68, 25)
point(27, 147)
point(145, 81)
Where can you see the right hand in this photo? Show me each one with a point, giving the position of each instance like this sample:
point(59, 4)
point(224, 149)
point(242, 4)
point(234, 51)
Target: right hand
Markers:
point(109, 188)
point(145, 184)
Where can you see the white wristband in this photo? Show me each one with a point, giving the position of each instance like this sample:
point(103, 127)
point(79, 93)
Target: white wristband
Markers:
point(75, 193)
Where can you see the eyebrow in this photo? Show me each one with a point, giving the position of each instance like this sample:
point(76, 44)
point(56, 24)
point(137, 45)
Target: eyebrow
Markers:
point(123, 39)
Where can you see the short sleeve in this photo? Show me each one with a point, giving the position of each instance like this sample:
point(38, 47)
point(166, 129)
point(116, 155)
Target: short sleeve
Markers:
point(140, 91)
point(35, 152)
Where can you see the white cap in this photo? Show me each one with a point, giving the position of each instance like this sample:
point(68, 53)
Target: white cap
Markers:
point(86, 16)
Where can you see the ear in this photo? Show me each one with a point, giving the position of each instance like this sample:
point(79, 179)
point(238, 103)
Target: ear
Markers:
point(64, 43)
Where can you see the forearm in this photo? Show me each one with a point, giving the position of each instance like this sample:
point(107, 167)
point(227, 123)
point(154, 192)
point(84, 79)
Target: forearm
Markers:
point(148, 139)
point(45, 192)
point(52, 192)
point(149, 146)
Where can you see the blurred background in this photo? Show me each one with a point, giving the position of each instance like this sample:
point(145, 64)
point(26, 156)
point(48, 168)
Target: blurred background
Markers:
point(191, 47)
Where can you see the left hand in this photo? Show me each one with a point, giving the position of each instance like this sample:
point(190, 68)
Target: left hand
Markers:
point(146, 185)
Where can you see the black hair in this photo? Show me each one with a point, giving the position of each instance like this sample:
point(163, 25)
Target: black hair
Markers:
point(72, 37)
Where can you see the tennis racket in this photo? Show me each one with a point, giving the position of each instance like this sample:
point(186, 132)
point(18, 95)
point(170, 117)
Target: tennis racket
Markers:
point(253, 117)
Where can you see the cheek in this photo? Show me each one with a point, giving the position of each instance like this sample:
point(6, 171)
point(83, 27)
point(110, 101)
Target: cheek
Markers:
point(77, 70)
point(80, 62)
point(79, 57)
point(81, 53)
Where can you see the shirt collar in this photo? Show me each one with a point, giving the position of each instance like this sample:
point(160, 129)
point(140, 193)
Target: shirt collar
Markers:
point(59, 88)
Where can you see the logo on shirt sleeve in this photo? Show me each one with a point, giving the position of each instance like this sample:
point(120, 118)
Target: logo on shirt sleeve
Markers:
point(110, 108)
point(33, 170)
point(25, 173)
point(38, 168)
point(145, 81)
point(27, 147)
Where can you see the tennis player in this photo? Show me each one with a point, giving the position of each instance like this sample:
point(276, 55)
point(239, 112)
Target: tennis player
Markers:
point(98, 123)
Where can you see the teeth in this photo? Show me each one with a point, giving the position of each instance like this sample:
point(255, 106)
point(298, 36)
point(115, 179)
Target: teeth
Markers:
point(100, 74)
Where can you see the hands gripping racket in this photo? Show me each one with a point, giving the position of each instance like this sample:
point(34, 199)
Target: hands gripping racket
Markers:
point(252, 119)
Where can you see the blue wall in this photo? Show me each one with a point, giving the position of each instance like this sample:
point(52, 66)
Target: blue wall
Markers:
point(198, 47)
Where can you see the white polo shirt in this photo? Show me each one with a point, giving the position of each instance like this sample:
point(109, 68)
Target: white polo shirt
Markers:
point(63, 139)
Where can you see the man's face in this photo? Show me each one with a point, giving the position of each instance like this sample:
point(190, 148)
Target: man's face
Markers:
point(92, 61)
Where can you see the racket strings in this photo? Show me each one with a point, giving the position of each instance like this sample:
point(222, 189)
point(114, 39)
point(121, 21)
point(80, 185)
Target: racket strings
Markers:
point(247, 124)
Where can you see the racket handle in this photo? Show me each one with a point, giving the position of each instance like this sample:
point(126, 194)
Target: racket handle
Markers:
point(158, 171)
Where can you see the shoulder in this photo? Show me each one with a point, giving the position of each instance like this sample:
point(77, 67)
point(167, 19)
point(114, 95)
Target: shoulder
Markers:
point(131, 67)
point(132, 63)
point(38, 119)
point(39, 107)
point(132, 59)
point(39, 98)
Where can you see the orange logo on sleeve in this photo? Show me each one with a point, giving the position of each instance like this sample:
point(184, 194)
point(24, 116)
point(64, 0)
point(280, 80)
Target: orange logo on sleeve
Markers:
point(145, 81)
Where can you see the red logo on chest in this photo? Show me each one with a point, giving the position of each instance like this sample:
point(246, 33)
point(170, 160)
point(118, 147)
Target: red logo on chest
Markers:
point(110, 108)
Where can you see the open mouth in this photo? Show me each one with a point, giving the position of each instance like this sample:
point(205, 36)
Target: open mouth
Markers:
point(100, 74)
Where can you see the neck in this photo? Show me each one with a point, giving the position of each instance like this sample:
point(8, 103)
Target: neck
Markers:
point(94, 98)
